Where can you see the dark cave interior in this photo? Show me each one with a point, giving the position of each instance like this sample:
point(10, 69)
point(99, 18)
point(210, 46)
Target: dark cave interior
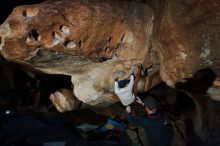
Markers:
point(19, 95)
point(21, 103)
point(17, 98)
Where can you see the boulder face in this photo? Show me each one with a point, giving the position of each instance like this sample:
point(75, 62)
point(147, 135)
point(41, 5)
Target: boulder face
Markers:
point(186, 36)
point(88, 40)
point(64, 100)
point(95, 30)
point(93, 40)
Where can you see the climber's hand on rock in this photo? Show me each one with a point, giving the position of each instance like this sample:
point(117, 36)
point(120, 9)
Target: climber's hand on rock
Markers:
point(132, 70)
point(140, 66)
point(116, 77)
point(139, 101)
point(128, 109)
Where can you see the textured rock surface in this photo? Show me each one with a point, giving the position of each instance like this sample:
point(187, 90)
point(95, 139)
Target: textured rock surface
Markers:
point(93, 40)
point(64, 100)
point(186, 35)
point(88, 40)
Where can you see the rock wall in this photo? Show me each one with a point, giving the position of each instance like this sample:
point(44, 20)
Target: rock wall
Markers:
point(88, 40)
point(186, 36)
point(93, 40)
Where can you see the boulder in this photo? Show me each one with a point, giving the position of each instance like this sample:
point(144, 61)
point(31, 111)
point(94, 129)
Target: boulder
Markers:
point(88, 40)
point(93, 40)
point(64, 100)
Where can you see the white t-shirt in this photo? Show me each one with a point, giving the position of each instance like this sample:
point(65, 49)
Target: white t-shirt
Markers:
point(125, 94)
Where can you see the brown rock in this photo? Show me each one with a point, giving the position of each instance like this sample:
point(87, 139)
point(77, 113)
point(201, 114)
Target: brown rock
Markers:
point(93, 40)
point(64, 100)
point(99, 28)
point(186, 36)
point(88, 40)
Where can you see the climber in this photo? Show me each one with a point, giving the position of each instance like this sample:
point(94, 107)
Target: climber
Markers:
point(127, 90)
point(154, 124)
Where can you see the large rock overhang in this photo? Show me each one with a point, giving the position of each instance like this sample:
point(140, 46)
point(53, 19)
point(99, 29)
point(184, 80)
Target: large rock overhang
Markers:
point(93, 40)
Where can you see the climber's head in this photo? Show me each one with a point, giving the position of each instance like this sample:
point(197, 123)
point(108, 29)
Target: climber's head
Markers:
point(151, 104)
point(123, 83)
